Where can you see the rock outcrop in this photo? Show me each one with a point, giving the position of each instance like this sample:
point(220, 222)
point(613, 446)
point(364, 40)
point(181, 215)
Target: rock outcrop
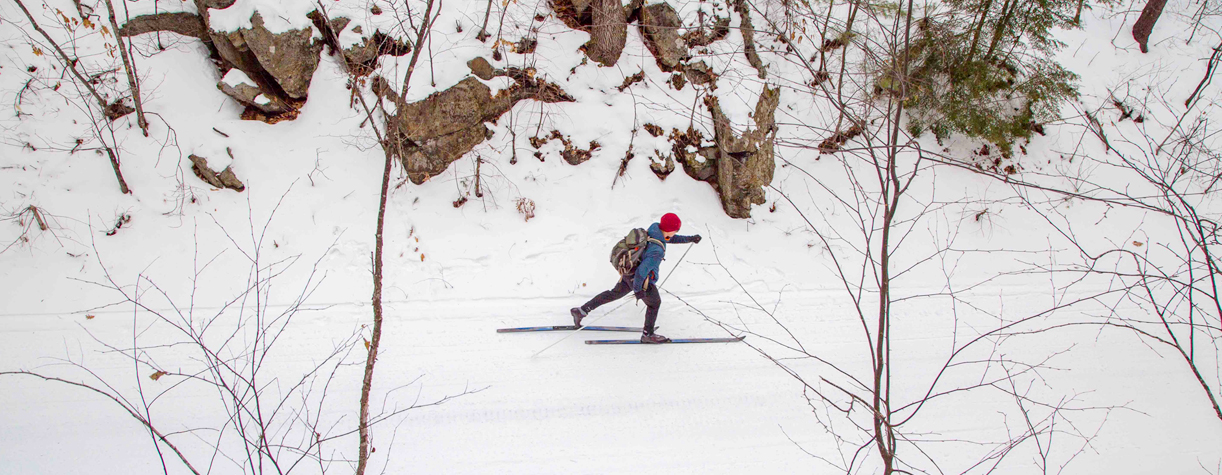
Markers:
point(660, 25)
point(753, 57)
point(737, 166)
point(362, 56)
point(481, 68)
point(429, 135)
point(702, 36)
point(186, 24)
point(239, 86)
point(277, 67)
point(223, 179)
point(745, 163)
point(236, 50)
point(290, 58)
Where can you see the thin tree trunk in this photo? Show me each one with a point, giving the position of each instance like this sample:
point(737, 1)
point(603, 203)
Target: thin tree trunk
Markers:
point(884, 433)
point(823, 34)
point(478, 162)
point(609, 32)
point(483, 29)
point(1209, 72)
point(1007, 11)
point(421, 35)
point(375, 339)
point(984, 16)
point(131, 71)
point(844, 56)
point(114, 163)
point(1145, 22)
point(69, 63)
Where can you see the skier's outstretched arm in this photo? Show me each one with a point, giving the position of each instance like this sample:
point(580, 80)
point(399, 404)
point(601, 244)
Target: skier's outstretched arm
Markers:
point(677, 239)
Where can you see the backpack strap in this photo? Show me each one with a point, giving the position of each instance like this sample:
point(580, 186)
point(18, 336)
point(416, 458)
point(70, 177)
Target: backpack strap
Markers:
point(660, 243)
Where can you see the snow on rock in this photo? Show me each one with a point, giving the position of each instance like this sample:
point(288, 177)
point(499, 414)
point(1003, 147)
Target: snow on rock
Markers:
point(290, 56)
point(236, 77)
point(240, 87)
point(352, 34)
point(279, 16)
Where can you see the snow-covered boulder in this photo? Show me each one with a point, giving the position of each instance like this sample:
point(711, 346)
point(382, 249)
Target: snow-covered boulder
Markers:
point(289, 57)
point(433, 133)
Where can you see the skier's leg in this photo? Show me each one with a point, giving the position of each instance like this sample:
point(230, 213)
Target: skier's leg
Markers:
point(622, 288)
point(653, 301)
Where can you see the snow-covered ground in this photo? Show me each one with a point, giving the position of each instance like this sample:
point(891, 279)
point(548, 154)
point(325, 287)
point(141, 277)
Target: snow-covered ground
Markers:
point(547, 402)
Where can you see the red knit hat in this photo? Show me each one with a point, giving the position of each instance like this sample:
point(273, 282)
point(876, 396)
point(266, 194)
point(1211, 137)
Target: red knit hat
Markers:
point(670, 223)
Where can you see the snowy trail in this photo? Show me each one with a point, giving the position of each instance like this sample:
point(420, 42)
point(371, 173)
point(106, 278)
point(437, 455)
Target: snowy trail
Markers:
point(582, 409)
point(717, 408)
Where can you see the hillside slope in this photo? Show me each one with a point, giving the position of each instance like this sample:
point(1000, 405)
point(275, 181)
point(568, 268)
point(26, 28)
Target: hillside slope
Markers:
point(464, 258)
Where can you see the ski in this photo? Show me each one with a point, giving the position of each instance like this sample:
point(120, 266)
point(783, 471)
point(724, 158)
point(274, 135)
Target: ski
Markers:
point(674, 340)
point(591, 328)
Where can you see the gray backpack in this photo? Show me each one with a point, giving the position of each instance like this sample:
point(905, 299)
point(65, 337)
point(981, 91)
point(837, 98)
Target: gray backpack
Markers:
point(626, 254)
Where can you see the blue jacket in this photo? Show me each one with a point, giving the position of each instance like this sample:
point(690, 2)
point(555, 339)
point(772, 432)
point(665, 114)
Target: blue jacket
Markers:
point(647, 271)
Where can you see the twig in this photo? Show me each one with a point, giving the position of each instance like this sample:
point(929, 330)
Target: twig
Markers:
point(160, 437)
point(68, 62)
point(42, 225)
point(1209, 72)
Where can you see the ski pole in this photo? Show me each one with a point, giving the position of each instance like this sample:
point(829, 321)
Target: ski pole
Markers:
point(672, 269)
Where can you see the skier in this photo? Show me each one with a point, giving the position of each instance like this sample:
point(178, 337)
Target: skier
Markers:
point(643, 282)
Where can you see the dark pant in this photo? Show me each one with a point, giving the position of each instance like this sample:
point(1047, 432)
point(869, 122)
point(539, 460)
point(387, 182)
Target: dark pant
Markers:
point(624, 287)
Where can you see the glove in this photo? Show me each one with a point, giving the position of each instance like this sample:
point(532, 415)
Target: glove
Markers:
point(696, 239)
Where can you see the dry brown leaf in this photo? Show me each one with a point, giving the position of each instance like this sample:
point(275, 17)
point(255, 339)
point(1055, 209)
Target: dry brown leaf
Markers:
point(89, 317)
point(157, 375)
point(1138, 243)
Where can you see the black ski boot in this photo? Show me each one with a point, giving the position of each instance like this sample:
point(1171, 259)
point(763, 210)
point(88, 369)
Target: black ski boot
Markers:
point(653, 338)
point(578, 314)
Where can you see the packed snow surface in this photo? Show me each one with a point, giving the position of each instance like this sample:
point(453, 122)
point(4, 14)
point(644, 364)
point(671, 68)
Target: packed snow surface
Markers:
point(456, 271)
